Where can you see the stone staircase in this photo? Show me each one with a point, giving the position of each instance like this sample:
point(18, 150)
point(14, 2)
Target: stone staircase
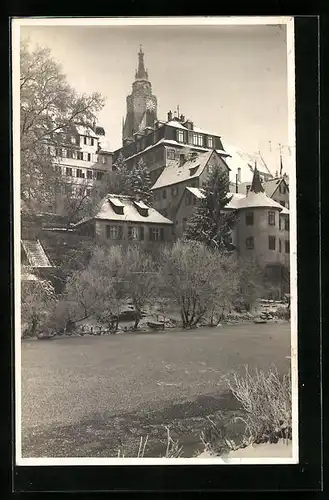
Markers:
point(36, 256)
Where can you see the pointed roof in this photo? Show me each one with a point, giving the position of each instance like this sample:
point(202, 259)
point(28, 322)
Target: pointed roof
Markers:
point(256, 185)
point(141, 73)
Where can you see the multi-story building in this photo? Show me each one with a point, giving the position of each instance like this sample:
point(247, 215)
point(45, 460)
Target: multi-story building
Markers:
point(189, 171)
point(261, 231)
point(83, 159)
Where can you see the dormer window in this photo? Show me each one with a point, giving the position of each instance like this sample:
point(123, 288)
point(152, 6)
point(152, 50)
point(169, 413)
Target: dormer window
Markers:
point(117, 205)
point(180, 135)
point(193, 170)
point(143, 209)
point(210, 142)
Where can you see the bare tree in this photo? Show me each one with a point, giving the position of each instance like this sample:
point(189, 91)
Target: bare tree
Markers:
point(196, 277)
point(252, 284)
point(37, 302)
point(50, 107)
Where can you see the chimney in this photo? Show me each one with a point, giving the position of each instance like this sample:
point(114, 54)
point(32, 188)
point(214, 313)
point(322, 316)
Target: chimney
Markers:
point(182, 118)
point(239, 174)
point(236, 184)
point(181, 159)
point(169, 116)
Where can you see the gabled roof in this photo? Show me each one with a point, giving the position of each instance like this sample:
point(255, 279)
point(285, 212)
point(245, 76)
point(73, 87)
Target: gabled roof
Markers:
point(272, 185)
point(245, 161)
point(174, 173)
point(85, 130)
point(130, 212)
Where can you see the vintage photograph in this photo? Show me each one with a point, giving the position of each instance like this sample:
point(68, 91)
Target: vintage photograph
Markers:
point(155, 240)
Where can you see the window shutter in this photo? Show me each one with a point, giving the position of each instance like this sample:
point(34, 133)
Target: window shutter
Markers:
point(150, 234)
point(141, 229)
point(161, 233)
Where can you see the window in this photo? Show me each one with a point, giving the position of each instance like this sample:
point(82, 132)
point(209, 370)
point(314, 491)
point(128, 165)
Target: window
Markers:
point(104, 160)
point(80, 174)
point(210, 142)
point(89, 174)
point(99, 176)
point(190, 138)
point(156, 233)
point(180, 135)
point(170, 154)
point(135, 233)
point(250, 243)
point(271, 242)
point(89, 157)
point(286, 223)
point(271, 218)
point(195, 139)
point(188, 198)
point(85, 140)
point(73, 139)
point(200, 140)
point(74, 155)
point(92, 141)
point(114, 232)
point(282, 188)
point(280, 246)
point(249, 218)
point(164, 194)
point(287, 246)
point(174, 191)
point(194, 170)
point(80, 155)
point(69, 172)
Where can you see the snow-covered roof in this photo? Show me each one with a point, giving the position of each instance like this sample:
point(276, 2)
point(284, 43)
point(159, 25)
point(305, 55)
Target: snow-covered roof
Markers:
point(257, 200)
point(271, 185)
point(233, 204)
point(85, 130)
point(174, 173)
point(285, 211)
point(104, 144)
point(198, 193)
point(246, 162)
point(178, 124)
point(171, 142)
point(141, 204)
point(240, 200)
point(130, 212)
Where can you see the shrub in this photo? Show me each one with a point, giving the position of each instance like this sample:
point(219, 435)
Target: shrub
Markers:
point(198, 280)
point(266, 400)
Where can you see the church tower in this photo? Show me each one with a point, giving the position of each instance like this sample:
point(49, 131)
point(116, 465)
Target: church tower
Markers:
point(141, 104)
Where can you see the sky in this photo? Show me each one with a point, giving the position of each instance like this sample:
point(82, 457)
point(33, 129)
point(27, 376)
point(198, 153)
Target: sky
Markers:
point(229, 80)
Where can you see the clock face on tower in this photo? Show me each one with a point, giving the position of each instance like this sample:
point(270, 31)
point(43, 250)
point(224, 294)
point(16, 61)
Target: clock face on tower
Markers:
point(150, 105)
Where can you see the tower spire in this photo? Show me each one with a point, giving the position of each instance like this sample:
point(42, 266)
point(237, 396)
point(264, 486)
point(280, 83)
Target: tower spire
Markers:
point(141, 73)
point(256, 185)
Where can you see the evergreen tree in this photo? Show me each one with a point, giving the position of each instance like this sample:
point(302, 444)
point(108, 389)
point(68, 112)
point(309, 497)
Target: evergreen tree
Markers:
point(209, 224)
point(135, 182)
